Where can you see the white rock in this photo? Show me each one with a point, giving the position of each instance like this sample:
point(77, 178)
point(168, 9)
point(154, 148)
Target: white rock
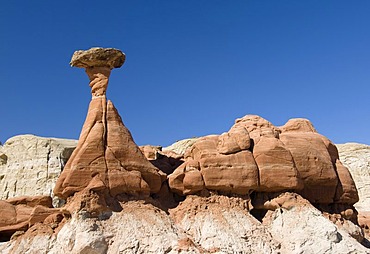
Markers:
point(180, 146)
point(30, 165)
point(139, 228)
point(306, 230)
point(223, 226)
point(356, 157)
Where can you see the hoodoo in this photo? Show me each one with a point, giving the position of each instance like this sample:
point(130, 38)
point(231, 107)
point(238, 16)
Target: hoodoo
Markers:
point(256, 188)
point(106, 159)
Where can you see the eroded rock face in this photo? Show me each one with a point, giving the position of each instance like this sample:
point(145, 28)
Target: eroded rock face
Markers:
point(31, 165)
point(223, 225)
point(254, 155)
point(206, 168)
point(18, 214)
point(304, 229)
point(356, 157)
point(106, 157)
point(312, 159)
point(213, 224)
point(167, 161)
point(108, 181)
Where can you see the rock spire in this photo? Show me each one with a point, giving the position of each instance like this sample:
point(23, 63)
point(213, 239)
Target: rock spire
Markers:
point(106, 159)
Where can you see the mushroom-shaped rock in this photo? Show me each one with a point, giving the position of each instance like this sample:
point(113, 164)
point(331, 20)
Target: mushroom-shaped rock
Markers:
point(98, 57)
point(98, 63)
point(106, 157)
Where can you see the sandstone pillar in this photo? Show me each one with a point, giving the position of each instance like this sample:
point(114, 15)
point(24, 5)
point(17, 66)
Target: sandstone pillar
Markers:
point(106, 158)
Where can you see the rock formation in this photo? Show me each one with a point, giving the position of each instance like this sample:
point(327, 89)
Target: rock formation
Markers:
point(257, 188)
point(357, 158)
point(180, 146)
point(106, 159)
point(30, 165)
point(18, 214)
point(167, 161)
point(214, 224)
point(254, 155)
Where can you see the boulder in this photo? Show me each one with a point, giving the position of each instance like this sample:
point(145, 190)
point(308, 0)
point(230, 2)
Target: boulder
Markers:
point(257, 127)
point(346, 191)
point(277, 171)
point(98, 57)
point(206, 168)
point(236, 140)
point(254, 155)
point(312, 160)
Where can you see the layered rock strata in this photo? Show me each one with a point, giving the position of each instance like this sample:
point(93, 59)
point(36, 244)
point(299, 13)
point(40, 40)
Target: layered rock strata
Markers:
point(240, 189)
point(20, 213)
point(213, 224)
point(106, 159)
point(254, 156)
point(357, 158)
point(31, 165)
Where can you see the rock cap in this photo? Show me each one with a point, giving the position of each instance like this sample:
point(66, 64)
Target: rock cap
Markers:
point(98, 57)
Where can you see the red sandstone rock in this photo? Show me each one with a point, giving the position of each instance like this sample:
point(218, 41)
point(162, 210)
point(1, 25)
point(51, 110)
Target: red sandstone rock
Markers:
point(106, 151)
point(312, 159)
point(346, 191)
point(31, 201)
point(166, 161)
point(298, 125)
point(175, 181)
point(293, 157)
point(40, 213)
point(234, 173)
point(236, 140)
point(8, 214)
point(276, 167)
point(127, 155)
point(364, 222)
point(150, 152)
point(106, 157)
point(18, 214)
point(257, 127)
point(230, 173)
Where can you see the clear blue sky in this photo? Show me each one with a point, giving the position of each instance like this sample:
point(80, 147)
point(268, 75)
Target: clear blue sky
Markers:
point(192, 67)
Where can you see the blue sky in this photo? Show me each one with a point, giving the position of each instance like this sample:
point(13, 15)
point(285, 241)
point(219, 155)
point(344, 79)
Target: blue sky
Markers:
point(192, 67)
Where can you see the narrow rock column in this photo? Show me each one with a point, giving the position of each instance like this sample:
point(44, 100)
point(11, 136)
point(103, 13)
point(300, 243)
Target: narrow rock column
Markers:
point(99, 77)
point(98, 63)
